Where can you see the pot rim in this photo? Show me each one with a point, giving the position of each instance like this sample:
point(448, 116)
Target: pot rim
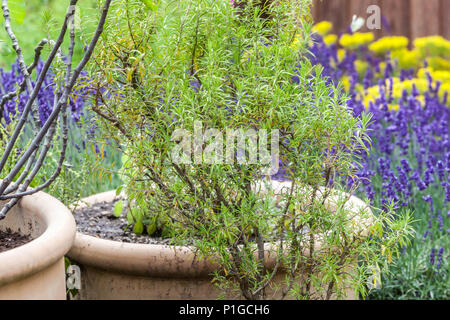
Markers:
point(46, 249)
point(152, 259)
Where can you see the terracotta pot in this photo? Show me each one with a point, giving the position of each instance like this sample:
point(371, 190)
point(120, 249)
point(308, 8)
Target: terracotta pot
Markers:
point(36, 269)
point(117, 270)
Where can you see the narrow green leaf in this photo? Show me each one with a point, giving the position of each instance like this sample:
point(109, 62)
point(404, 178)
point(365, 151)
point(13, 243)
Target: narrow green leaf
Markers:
point(151, 228)
point(118, 208)
point(130, 218)
point(138, 228)
point(150, 5)
point(119, 190)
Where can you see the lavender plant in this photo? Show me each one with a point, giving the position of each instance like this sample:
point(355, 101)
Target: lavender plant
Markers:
point(90, 166)
point(162, 68)
point(409, 164)
point(24, 165)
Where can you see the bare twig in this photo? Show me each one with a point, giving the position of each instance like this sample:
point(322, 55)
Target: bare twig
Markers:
point(48, 129)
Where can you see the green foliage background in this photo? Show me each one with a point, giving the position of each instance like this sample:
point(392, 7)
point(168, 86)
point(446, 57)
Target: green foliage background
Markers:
point(36, 19)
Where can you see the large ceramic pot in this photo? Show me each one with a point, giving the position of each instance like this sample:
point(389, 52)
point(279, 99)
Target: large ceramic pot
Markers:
point(117, 270)
point(36, 269)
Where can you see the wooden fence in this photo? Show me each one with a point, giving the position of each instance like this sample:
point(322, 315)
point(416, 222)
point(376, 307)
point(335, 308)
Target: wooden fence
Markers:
point(411, 18)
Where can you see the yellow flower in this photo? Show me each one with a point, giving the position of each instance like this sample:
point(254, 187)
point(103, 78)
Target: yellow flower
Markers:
point(422, 72)
point(394, 107)
point(356, 40)
point(341, 54)
point(372, 93)
point(441, 75)
point(437, 75)
point(445, 88)
point(386, 44)
point(361, 67)
point(421, 99)
point(382, 66)
point(346, 83)
point(296, 42)
point(420, 84)
point(438, 63)
point(323, 27)
point(330, 39)
point(407, 58)
point(433, 46)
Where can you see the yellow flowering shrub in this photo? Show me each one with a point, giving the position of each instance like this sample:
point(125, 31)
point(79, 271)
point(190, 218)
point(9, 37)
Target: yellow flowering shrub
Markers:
point(422, 72)
point(296, 42)
point(361, 67)
point(445, 88)
point(386, 44)
point(438, 63)
point(421, 84)
point(435, 50)
point(393, 107)
point(382, 67)
point(407, 59)
point(433, 46)
point(356, 40)
point(330, 39)
point(441, 75)
point(323, 27)
point(438, 75)
point(346, 83)
point(341, 54)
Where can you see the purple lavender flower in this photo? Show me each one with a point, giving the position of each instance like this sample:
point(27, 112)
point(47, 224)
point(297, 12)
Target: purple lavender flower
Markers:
point(415, 92)
point(45, 96)
point(447, 192)
point(405, 165)
point(432, 256)
point(440, 257)
point(428, 178)
point(440, 170)
point(440, 219)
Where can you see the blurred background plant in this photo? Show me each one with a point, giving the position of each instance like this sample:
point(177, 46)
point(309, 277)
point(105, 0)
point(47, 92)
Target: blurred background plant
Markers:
point(406, 90)
point(37, 19)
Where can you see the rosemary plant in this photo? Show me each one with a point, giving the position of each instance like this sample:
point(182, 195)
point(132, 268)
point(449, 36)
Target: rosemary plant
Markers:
point(173, 79)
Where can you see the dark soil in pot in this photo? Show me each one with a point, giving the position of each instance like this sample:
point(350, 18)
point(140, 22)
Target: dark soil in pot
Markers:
point(99, 221)
point(10, 240)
